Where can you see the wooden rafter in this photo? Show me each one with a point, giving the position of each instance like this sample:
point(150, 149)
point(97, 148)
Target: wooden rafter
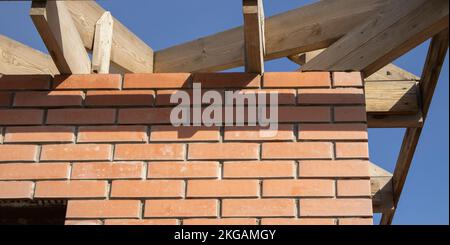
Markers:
point(128, 52)
point(60, 36)
point(101, 53)
point(395, 30)
point(300, 30)
point(430, 76)
point(18, 58)
point(254, 35)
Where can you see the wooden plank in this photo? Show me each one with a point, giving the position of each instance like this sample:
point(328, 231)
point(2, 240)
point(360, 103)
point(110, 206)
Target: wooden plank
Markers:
point(381, 189)
point(254, 36)
point(102, 44)
point(17, 58)
point(392, 72)
point(392, 97)
point(389, 72)
point(127, 51)
point(385, 37)
point(300, 30)
point(432, 69)
point(378, 120)
point(430, 76)
point(60, 36)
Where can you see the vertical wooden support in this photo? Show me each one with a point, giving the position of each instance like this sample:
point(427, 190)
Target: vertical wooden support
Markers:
point(102, 44)
point(57, 29)
point(254, 35)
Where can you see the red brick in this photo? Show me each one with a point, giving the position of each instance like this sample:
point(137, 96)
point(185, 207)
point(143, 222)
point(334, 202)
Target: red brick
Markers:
point(71, 189)
point(157, 80)
point(25, 82)
point(298, 188)
point(16, 189)
point(182, 133)
point(21, 116)
point(40, 134)
point(297, 79)
point(350, 114)
point(103, 209)
point(229, 221)
point(120, 98)
point(302, 221)
point(34, 171)
point(163, 96)
point(257, 169)
point(181, 208)
point(268, 207)
point(296, 150)
point(144, 115)
point(344, 131)
point(284, 96)
point(95, 81)
point(355, 187)
point(147, 188)
point(348, 168)
point(112, 134)
point(304, 114)
point(141, 222)
point(222, 188)
point(331, 96)
point(228, 80)
point(10, 153)
point(150, 152)
point(251, 133)
point(206, 151)
point(335, 207)
point(68, 152)
point(84, 222)
point(5, 99)
point(352, 150)
point(356, 221)
point(81, 116)
point(48, 99)
point(347, 79)
point(183, 170)
point(107, 170)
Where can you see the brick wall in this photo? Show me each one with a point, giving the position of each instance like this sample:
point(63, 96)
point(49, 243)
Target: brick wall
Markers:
point(106, 145)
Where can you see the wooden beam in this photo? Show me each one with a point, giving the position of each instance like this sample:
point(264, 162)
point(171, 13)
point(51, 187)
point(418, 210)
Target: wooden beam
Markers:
point(392, 97)
point(254, 36)
point(127, 51)
point(60, 36)
point(430, 76)
point(388, 120)
point(380, 40)
point(389, 72)
point(102, 44)
point(17, 58)
point(392, 72)
point(381, 189)
point(300, 30)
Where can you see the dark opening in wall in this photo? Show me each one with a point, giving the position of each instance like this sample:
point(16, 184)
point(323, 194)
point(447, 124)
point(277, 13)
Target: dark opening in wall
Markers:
point(32, 213)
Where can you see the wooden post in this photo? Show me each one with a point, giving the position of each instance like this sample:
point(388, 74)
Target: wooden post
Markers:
point(60, 36)
point(102, 44)
point(254, 35)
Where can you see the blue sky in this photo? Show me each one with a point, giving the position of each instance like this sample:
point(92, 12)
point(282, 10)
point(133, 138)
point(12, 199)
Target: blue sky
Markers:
point(161, 24)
